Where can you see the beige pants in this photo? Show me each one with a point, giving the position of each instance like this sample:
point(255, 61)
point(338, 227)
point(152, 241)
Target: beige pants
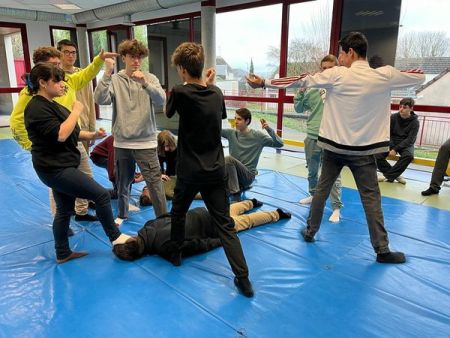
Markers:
point(247, 221)
point(81, 205)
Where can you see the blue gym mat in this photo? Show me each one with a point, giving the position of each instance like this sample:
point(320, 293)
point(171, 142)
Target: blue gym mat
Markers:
point(331, 288)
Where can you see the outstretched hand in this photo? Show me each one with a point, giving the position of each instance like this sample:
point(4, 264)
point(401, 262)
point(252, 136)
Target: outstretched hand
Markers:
point(107, 55)
point(255, 81)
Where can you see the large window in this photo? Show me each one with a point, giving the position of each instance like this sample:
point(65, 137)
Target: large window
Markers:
point(247, 41)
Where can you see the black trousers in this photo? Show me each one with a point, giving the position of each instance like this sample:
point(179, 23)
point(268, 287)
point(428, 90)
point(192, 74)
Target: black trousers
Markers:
point(216, 200)
point(67, 184)
point(392, 172)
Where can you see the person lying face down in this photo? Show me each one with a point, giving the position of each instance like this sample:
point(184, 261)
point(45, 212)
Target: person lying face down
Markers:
point(201, 236)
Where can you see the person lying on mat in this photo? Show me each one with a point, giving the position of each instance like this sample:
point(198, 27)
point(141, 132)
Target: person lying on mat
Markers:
point(54, 134)
point(201, 235)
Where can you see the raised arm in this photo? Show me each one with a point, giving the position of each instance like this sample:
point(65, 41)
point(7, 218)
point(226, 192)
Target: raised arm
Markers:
point(103, 92)
point(274, 140)
point(80, 79)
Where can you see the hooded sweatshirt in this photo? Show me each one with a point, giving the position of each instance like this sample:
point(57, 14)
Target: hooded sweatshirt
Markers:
point(133, 120)
point(403, 131)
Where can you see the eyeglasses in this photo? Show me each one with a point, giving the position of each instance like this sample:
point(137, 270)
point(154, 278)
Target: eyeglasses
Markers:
point(68, 53)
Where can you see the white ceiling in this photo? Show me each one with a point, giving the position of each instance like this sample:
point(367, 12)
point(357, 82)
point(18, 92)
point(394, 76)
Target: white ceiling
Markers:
point(48, 6)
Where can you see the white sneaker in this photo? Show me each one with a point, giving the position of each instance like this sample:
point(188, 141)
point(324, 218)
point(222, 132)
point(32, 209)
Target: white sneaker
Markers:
point(306, 200)
point(381, 178)
point(401, 180)
point(335, 216)
point(133, 208)
point(119, 221)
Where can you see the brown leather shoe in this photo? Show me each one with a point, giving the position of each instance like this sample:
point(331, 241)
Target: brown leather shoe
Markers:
point(73, 255)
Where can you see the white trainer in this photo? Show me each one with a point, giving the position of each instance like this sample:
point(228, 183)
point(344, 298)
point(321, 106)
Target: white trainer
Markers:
point(381, 178)
point(401, 180)
point(335, 216)
point(119, 221)
point(133, 208)
point(306, 200)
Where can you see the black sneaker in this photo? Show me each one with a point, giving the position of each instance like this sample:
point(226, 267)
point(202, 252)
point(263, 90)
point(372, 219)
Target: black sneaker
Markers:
point(244, 285)
point(307, 237)
point(87, 218)
point(256, 203)
point(284, 214)
point(430, 191)
point(391, 257)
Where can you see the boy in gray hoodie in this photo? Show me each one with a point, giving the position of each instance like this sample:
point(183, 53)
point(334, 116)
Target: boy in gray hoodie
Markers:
point(133, 94)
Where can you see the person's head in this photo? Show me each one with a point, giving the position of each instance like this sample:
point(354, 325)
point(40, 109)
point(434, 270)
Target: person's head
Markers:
point(145, 198)
point(376, 61)
point(328, 62)
point(353, 47)
point(68, 51)
point(132, 53)
point(189, 60)
point(243, 118)
point(46, 79)
point(406, 106)
point(47, 54)
point(166, 142)
point(129, 251)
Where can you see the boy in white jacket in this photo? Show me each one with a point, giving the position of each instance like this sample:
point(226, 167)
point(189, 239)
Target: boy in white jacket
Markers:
point(355, 126)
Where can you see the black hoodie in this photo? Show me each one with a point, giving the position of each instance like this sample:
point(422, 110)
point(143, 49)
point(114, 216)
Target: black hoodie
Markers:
point(403, 131)
point(201, 236)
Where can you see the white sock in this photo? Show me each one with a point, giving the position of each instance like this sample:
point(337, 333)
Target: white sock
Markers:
point(119, 221)
point(133, 208)
point(306, 200)
point(335, 216)
point(121, 239)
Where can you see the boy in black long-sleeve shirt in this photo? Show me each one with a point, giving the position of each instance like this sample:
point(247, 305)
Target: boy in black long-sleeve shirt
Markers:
point(404, 129)
point(200, 161)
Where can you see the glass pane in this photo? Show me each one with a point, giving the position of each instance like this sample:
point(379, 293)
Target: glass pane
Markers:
point(197, 30)
point(12, 64)
point(162, 39)
point(294, 124)
point(60, 34)
point(99, 42)
point(140, 34)
point(7, 102)
point(259, 110)
point(258, 31)
point(424, 42)
point(309, 38)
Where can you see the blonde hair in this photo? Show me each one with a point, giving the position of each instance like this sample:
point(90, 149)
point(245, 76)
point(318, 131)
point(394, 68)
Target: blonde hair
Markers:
point(166, 138)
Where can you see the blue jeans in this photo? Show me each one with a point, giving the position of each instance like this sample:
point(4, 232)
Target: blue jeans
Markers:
point(313, 154)
point(364, 170)
point(68, 184)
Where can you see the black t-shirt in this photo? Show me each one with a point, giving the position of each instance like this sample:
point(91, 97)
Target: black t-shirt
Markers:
point(200, 155)
point(43, 119)
point(170, 160)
